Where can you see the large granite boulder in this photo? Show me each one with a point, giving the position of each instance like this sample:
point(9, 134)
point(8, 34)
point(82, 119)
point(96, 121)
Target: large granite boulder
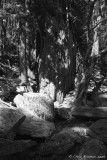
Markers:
point(23, 121)
point(40, 104)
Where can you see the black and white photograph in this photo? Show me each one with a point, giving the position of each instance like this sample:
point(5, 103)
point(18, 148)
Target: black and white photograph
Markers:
point(53, 79)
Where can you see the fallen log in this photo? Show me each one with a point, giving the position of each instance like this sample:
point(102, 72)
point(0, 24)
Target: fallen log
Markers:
point(98, 99)
point(98, 112)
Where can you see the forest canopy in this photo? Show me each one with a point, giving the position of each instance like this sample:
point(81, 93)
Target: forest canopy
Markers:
point(57, 44)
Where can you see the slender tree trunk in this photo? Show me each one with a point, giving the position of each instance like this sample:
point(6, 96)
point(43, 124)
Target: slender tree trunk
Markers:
point(22, 56)
point(25, 71)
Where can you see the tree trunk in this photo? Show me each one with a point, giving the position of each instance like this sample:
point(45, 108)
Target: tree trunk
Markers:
point(24, 51)
point(89, 60)
point(57, 65)
point(22, 56)
point(71, 63)
point(81, 95)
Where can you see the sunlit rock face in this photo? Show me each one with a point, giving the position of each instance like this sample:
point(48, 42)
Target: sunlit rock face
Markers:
point(40, 104)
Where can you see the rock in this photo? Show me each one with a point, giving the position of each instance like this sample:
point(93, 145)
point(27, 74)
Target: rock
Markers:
point(34, 126)
point(60, 143)
point(47, 87)
point(23, 121)
point(8, 119)
point(56, 104)
point(71, 132)
point(12, 133)
point(80, 130)
point(72, 154)
point(64, 110)
point(8, 147)
point(92, 149)
point(40, 104)
point(99, 130)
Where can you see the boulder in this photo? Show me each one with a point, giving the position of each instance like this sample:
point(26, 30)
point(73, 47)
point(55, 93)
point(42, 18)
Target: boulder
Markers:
point(8, 147)
point(99, 130)
point(23, 121)
point(60, 143)
point(92, 149)
point(34, 126)
point(10, 120)
point(64, 109)
point(40, 104)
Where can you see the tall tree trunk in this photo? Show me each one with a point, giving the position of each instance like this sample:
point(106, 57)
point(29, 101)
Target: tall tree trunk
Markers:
point(88, 66)
point(25, 70)
point(23, 62)
point(81, 95)
point(57, 67)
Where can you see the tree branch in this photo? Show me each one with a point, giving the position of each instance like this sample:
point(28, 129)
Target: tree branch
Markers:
point(98, 23)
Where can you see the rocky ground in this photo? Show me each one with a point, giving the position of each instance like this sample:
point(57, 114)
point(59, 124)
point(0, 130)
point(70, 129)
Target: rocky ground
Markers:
point(33, 127)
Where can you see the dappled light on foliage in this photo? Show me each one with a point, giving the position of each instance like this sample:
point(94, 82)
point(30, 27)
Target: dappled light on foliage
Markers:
point(53, 79)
